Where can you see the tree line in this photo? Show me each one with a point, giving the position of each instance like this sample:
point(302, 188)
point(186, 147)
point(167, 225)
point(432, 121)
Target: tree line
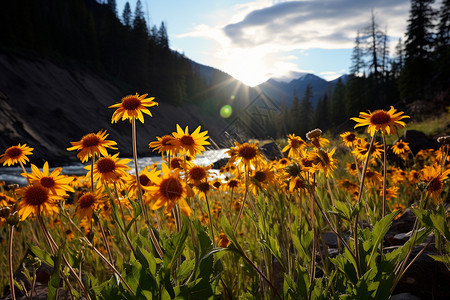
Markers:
point(127, 49)
point(417, 71)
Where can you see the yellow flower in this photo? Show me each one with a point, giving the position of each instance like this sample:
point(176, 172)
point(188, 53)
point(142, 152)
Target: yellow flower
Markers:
point(109, 168)
point(87, 203)
point(390, 192)
point(434, 179)
point(246, 154)
point(163, 144)
point(295, 145)
point(352, 168)
point(147, 177)
point(36, 198)
point(373, 178)
point(56, 183)
point(315, 136)
point(223, 241)
point(261, 178)
point(350, 139)
point(168, 190)
point(92, 143)
point(361, 151)
point(324, 161)
point(401, 149)
point(197, 174)
point(400, 207)
point(414, 177)
point(16, 154)
point(132, 107)
point(385, 121)
point(191, 144)
point(178, 162)
point(297, 184)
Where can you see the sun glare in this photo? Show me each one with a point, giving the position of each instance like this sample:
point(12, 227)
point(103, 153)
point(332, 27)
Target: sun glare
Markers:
point(251, 70)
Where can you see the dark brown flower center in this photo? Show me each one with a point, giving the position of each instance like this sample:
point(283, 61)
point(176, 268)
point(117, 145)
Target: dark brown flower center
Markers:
point(380, 117)
point(247, 152)
point(106, 165)
point(435, 185)
point(217, 184)
point(298, 184)
point(47, 182)
point(175, 163)
point(306, 162)
point(197, 173)
point(351, 137)
point(166, 140)
point(283, 161)
point(260, 176)
point(187, 140)
point(13, 152)
point(131, 102)
point(86, 200)
point(36, 195)
point(400, 146)
point(90, 140)
point(144, 180)
point(232, 183)
point(295, 143)
point(203, 187)
point(171, 189)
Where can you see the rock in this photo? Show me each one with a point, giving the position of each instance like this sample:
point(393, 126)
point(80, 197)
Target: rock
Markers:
point(419, 141)
point(426, 278)
point(396, 235)
point(220, 163)
point(271, 151)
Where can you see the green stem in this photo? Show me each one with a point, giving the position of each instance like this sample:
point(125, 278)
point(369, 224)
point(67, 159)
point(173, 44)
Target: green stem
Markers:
point(10, 262)
point(384, 179)
point(54, 249)
point(210, 220)
point(141, 201)
point(243, 202)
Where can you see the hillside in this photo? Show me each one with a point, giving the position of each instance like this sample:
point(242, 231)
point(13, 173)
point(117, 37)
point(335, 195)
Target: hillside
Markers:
point(48, 106)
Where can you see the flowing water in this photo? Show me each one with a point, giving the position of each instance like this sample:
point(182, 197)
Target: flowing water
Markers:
point(12, 174)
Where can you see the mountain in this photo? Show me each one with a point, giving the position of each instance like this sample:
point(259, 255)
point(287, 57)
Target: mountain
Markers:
point(284, 92)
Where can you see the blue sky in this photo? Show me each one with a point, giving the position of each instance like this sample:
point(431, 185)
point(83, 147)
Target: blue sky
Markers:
point(261, 39)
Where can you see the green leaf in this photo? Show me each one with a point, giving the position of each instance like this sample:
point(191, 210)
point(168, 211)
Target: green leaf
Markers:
point(439, 222)
point(146, 259)
point(441, 258)
point(226, 227)
point(342, 210)
point(178, 241)
point(42, 255)
point(55, 278)
point(378, 233)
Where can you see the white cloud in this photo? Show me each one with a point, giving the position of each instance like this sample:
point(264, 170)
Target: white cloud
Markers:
point(260, 34)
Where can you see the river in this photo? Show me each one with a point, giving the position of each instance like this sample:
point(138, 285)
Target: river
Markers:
point(12, 174)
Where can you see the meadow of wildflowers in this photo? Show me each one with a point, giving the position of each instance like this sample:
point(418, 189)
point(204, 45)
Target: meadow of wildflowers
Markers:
point(256, 231)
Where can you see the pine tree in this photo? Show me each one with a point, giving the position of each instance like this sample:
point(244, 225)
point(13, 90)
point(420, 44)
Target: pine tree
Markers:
point(126, 15)
point(163, 37)
point(418, 50)
point(112, 5)
point(442, 55)
point(338, 104)
point(139, 24)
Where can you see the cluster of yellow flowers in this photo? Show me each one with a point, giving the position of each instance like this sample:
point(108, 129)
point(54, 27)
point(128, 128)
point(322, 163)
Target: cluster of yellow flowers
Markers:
point(179, 179)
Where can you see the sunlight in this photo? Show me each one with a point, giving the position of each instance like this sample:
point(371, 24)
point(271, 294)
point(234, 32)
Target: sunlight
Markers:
point(248, 68)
